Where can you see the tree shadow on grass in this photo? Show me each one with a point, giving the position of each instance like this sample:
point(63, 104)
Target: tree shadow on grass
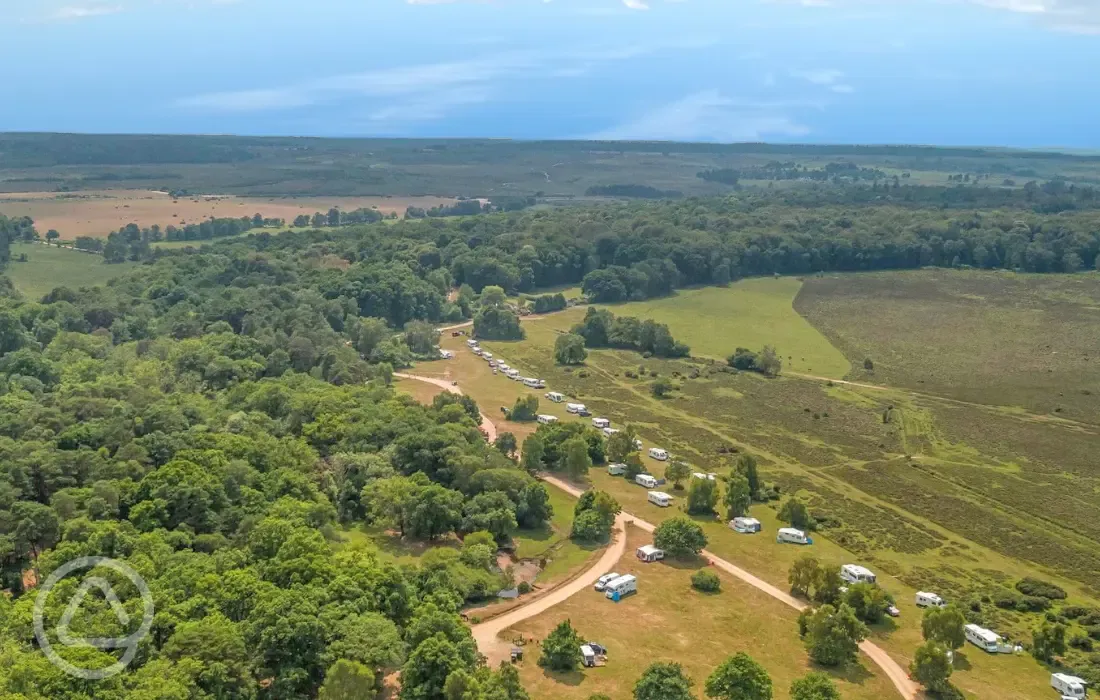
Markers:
point(961, 663)
point(571, 678)
point(854, 673)
point(687, 563)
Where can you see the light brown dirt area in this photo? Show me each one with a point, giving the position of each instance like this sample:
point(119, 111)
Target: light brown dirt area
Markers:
point(99, 212)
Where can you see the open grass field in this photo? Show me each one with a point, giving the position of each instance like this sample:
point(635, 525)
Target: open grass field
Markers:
point(942, 494)
point(667, 620)
point(99, 212)
point(750, 314)
point(996, 338)
point(48, 267)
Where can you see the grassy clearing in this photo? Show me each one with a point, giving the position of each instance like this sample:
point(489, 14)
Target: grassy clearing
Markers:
point(994, 338)
point(989, 496)
point(48, 267)
point(749, 313)
point(668, 620)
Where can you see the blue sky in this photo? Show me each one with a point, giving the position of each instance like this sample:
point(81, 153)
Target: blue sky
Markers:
point(953, 72)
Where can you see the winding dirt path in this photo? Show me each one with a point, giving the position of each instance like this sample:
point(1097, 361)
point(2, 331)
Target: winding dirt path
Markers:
point(495, 649)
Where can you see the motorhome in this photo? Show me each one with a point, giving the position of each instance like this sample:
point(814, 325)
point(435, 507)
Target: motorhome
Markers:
point(745, 525)
point(854, 573)
point(616, 469)
point(575, 407)
point(533, 383)
point(984, 639)
point(624, 585)
point(701, 475)
point(1069, 686)
point(647, 480)
point(555, 397)
point(649, 553)
point(477, 351)
point(601, 582)
point(610, 431)
point(600, 423)
point(512, 374)
point(546, 419)
point(658, 454)
point(503, 367)
point(471, 343)
point(791, 535)
point(929, 600)
point(660, 498)
point(487, 355)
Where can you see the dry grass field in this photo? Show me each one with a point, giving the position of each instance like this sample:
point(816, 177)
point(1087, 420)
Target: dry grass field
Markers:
point(99, 212)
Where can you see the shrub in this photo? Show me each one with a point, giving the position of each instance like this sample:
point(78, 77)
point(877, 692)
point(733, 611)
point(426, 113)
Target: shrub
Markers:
point(1081, 641)
point(707, 581)
point(1075, 611)
point(1032, 603)
point(524, 588)
point(1043, 589)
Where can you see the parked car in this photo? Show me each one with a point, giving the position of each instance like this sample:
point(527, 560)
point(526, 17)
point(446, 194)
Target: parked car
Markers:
point(893, 611)
point(601, 582)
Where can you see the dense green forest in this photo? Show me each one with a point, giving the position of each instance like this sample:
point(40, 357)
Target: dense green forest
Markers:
point(214, 417)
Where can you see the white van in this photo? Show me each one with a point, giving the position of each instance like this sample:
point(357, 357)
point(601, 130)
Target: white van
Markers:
point(854, 573)
point(477, 351)
point(616, 469)
point(555, 397)
point(512, 374)
point(647, 480)
point(1069, 686)
point(533, 383)
point(503, 367)
point(575, 408)
point(791, 535)
point(929, 600)
point(487, 355)
point(601, 582)
point(659, 498)
point(546, 419)
point(658, 454)
point(609, 431)
point(624, 585)
point(982, 638)
point(601, 423)
point(471, 343)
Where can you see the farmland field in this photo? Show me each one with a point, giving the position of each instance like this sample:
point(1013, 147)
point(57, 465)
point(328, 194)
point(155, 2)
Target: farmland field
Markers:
point(99, 212)
point(48, 267)
point(935, 491)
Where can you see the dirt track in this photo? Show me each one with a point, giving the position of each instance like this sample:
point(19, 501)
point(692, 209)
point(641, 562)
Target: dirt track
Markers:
point(495, 649)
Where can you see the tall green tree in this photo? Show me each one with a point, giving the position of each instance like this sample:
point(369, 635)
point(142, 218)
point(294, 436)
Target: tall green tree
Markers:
point(814, 686)
point(930, 667)
point(833, 635)
point(739, 677)
point(680, 537)
point(663, 681)
point(561, 650)
point(569, 349)
point(945, 626)
point(738, 496)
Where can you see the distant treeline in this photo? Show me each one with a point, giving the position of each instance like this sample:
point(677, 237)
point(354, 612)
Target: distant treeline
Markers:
point(636, 191)
point(132, 242)
point(603, 329)
point(776, 170)
point(336, 217)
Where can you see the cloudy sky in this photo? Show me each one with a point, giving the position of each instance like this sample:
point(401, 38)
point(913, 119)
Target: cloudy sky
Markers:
point(958, 72)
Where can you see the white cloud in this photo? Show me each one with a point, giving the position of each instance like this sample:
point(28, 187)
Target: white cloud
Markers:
point(70, 13)
point(636, 4)
point(708, 116)
point(825, 77)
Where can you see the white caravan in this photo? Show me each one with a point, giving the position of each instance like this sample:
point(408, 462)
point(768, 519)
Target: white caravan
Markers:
point(925, 599)
point(623, 585)
point(650, 553)
point(575, 408)
point(701, 475)
point(547, 419)
point(601, 423)
point(609, 431)
point(854, 573)
point(744, 525)
point(1069, 686)
point(984, 639)
point(512, 374)
point(471, 343)
point(555, 397)
point(658, 454)
point(660, 498)
point(791, 535)
point(647, 480)
point(487, 355)
point(533, 383)
point(616, 469)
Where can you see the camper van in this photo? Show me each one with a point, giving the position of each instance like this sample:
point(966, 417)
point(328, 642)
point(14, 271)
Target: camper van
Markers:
point(1069, 686)
point(446, 354)
point(601, 423)
point(601, 582)
point(659, 498)
point(929, 600)
point(744, 525)
point(701, 475)
point(854, 573)
point(624, 585)
point(503, 367)
point(647, 480)
point(616, 469)
point(477, 351)
point(546, 419)
point(658, 454)
point(487, 355)
point(534, 383)
point(649, 553)
point(609, 431)
point(982, 638)
point(512, 374)
point(555, 397)
point(792, 536)
point(575, 407)
point(471, 343)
